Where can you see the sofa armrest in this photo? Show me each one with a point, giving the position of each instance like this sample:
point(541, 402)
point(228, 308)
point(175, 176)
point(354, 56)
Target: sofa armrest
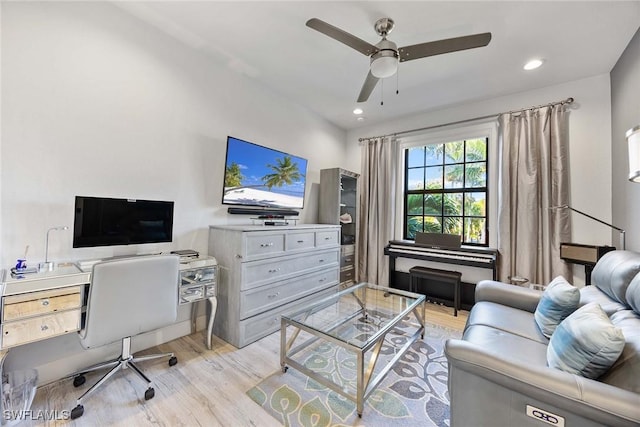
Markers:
point(510, 295)
point(587, 398)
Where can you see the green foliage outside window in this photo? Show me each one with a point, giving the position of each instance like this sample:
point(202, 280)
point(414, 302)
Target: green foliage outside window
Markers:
point(446, 190)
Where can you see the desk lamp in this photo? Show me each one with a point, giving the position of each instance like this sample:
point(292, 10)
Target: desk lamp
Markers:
point(49, 265)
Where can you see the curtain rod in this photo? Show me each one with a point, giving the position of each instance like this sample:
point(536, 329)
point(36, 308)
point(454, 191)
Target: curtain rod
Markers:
point(567, 101)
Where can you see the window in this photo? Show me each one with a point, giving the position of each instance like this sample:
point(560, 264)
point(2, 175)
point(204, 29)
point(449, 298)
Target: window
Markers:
point(445, 190)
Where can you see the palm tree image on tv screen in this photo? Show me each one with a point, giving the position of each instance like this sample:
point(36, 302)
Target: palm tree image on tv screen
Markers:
point(260, 176)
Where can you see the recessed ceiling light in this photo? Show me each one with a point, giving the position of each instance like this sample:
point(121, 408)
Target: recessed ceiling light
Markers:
point(358, 111)
point(361, 118)
point(533, 64)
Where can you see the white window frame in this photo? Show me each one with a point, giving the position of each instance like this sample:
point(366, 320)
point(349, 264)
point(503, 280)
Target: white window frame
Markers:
point(487, 129)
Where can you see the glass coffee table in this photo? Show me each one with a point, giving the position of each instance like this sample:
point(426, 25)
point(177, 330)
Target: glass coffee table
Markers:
point(357, 319)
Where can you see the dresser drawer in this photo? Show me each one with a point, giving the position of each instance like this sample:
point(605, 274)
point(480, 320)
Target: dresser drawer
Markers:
point(197, 275)
point(266, 297)
point(268, 322)
point(42, 302)
point(191, 293)
point(327, 238)
point(300, 241)
point(259, 245)
point(258, 273)
point(38, 328)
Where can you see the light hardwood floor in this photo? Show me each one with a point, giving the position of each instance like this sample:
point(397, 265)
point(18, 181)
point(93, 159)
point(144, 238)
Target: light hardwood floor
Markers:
point(205, 388)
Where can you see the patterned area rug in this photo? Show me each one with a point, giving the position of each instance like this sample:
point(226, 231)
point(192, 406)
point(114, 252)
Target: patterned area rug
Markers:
point(413, 393)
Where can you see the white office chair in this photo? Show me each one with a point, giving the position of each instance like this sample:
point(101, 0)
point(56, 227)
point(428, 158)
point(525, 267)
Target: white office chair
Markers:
point(127, 297)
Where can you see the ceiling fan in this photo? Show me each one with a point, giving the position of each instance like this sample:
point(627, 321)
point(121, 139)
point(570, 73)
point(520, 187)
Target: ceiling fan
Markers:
point(385, 55)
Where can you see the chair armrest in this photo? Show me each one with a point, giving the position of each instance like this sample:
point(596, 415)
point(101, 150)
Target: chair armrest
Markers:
point(601, 402)
point(510, 295)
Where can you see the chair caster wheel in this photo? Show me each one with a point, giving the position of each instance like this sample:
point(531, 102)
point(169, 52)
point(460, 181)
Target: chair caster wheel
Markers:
point(77, 412)
point(149, 393)
point(285, 369)
point(173, 361)
point(78, 381)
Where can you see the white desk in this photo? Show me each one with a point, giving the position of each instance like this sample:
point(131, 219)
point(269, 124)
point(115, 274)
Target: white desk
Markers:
point(44, 305)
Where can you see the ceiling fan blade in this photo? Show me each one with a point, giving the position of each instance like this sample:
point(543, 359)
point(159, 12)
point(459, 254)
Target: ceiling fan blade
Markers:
point(369, 84)
point(342, 36)
point(439, 47)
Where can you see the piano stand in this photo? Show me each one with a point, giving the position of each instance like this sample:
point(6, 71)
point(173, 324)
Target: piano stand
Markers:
point(419, 275)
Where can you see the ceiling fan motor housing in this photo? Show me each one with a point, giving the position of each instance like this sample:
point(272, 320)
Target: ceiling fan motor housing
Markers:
point(384, 63)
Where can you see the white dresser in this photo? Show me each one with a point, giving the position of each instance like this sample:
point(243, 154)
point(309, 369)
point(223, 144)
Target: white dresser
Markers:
point(265, 271)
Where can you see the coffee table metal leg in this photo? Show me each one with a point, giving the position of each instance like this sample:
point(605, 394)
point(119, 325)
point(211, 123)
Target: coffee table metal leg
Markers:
point(360, 383)
point(283, 344)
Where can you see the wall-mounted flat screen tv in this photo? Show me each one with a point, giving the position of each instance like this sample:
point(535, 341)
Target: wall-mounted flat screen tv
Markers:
point(262, 177)
point(101, 221)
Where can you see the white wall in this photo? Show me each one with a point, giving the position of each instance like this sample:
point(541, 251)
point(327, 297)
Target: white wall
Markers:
point(590, 150)
point(97, 103)
point(625, 112)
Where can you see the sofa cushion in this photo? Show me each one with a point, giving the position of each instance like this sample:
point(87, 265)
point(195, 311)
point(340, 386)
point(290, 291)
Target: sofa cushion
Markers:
point(625, 373)
point(507, 319)
point(593, 294)
point(633, 294)
point(558, 300)
point(586, 343)
point(614, 271)
point(507, 345)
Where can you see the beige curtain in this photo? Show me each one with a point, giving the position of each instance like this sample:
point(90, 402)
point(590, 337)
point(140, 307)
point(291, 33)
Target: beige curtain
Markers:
point(534, 175)
point(376, 188)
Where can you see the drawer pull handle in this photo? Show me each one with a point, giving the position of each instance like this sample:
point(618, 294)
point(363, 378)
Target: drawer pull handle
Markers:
point(300, 241)
point(327, 238)
point(273, 295)
point(322, 280)
point(45, 302)
point(320, 260)
point(274, 270)
point(266, 245)
point(44, 327)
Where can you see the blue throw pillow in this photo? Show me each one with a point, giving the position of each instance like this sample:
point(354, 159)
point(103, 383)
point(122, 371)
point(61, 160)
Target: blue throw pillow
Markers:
point(586, 343)
point(559, 300)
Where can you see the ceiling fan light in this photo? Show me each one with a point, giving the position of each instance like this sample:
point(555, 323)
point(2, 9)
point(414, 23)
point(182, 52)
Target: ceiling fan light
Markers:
point(384, 66)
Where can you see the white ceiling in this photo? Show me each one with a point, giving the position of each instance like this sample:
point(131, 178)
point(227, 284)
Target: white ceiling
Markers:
point(269, 42)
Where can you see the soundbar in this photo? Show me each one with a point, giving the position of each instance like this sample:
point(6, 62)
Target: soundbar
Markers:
point(262, 212)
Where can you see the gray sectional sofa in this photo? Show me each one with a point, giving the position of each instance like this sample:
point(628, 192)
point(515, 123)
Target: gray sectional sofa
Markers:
point(498, 372)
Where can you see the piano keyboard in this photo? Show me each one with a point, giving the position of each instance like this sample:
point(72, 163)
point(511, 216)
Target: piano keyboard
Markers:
point(447, 254)
point(474, 263)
